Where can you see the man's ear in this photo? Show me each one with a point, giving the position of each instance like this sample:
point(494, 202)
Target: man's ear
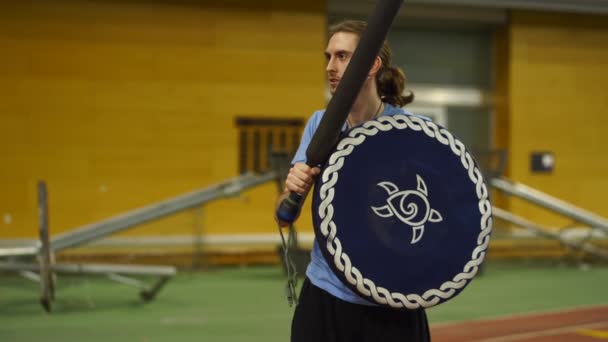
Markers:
point(375, 67)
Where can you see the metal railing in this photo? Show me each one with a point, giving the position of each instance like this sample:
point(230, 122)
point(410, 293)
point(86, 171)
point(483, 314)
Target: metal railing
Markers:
point(545, 232)
point(555, 205)
point(97, 230)
point(43, 270)
point(551, 203)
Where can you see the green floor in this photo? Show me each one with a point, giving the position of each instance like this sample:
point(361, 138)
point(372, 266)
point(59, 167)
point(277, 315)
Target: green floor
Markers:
point(248, 304)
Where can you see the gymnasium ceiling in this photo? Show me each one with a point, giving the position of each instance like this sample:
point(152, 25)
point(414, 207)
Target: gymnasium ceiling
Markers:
point(465, 11)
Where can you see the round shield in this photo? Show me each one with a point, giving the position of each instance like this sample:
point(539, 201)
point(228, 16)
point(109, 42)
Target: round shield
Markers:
point(401, 213)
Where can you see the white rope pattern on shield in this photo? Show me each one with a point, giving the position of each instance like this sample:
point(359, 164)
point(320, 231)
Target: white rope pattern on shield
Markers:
point(328, 228)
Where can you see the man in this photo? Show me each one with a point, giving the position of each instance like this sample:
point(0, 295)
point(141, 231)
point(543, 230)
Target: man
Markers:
point(328, 310)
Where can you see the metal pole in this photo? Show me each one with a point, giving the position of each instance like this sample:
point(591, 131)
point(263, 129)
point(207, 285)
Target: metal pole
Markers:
point(544, 232)
point(549, 202)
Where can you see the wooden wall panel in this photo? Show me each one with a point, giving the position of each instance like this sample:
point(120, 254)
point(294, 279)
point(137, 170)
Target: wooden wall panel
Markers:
point(559, 102)
point(120, 104)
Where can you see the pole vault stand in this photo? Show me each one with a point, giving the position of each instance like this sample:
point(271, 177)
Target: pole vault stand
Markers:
point(493, 163)
point(44, 270)
point(45, 259)
point(117, 273)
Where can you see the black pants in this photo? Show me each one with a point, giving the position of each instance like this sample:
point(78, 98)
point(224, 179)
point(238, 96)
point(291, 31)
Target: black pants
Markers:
point(321, 317)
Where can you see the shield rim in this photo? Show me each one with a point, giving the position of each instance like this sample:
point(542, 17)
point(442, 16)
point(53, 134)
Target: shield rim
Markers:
point(339, 259)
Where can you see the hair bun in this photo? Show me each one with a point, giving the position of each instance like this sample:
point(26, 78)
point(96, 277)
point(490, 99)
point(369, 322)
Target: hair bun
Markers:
point(391, 84)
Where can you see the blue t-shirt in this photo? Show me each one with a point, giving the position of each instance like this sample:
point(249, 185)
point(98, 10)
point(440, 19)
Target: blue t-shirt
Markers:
point(318, 271)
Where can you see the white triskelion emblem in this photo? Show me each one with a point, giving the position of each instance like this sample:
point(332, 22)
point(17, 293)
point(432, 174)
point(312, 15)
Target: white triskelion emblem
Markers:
point(408, 211)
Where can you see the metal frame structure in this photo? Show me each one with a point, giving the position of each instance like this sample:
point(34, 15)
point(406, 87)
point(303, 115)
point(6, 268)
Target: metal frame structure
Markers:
point(43, 271)
point(551, 203)
point(97, 230)
point(584, 246)
point(546, 201)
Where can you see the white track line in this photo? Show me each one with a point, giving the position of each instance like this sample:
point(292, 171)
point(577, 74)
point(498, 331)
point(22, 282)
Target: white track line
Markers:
point(543, 333)
point(534, 314)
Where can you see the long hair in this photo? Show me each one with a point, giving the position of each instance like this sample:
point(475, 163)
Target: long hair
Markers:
point(390, 79)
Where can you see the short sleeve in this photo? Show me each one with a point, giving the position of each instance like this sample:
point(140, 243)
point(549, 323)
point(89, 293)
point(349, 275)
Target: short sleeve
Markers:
point(309, 131)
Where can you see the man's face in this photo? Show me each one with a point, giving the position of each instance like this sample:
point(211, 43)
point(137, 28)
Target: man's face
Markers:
point(339, 51)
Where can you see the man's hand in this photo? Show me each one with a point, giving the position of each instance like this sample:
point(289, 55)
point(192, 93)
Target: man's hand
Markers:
point(300, 179)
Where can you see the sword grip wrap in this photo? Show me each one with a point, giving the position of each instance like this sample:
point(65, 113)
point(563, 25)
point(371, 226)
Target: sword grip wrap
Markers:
point(289, 208)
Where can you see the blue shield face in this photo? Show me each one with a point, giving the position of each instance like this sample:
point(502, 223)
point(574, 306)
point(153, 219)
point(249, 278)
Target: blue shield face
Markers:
point(398, 224)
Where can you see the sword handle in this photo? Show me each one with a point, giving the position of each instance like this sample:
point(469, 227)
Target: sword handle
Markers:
point(289, 208)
